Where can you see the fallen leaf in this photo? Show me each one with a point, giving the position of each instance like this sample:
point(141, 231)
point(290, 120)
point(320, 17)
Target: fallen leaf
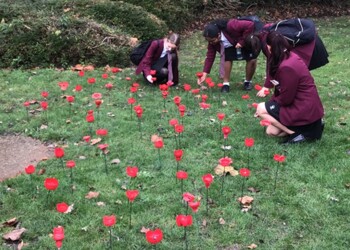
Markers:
point(89, 68)
point(14, 235)
point(204, 223)
point(20, 245)
point(92, 195)
point(224, 103)
point(68, 121)
point(220, 170)
point(252, 246)
point(69, 209)
point(123, 187)
point(11, 222)
point(115, 161)
point(95, 141)
point(246, 200)
point(144, 230)
point(82, 157)
point(222, 221)
point(155, 138)
point(347, 185)
point(43, 126)
point(42, 171)
point(84, 228)
point(119, 202)
point(101, 204)
point(253, 190)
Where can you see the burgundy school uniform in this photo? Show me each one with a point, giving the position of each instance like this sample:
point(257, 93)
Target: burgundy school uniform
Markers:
point(152, 55)
point(296, 93)
point(235, 32)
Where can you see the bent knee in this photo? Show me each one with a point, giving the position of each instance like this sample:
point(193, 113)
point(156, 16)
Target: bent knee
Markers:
point(261, 109)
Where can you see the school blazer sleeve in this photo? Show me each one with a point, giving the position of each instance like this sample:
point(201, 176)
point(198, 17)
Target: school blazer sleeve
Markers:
point(152, 54)
point(210, 57)
point(238, 30)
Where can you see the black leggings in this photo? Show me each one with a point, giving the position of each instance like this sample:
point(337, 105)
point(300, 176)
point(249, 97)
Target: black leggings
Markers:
point(161, 68)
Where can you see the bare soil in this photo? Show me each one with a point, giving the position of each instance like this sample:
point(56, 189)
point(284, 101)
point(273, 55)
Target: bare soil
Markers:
point(18, 151)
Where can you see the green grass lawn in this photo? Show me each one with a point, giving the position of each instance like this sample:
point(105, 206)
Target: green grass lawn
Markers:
point(308, 209)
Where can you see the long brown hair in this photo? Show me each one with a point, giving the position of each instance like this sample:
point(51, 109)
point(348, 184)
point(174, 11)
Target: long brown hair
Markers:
point(280, 50)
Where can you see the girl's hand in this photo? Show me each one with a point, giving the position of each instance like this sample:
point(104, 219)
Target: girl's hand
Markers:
point(149, 78)
point(202, 78)
point(261, 92)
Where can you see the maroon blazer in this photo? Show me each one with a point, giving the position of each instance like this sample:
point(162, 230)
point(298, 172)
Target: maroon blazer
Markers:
point(296, 93)
point(152, 55)
point(236, 31)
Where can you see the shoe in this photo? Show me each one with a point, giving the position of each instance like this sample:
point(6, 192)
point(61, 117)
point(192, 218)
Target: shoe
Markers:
point(225, 89)
point(295, 138)
point(248, 85)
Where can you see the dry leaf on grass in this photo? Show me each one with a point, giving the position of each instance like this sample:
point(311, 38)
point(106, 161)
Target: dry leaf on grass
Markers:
point(252, 246)
point(133, 41)
point(42, 171)
point(69, 209)
point(246, 200)
point(92, 195)
point(222, 221)
point(11, 222)
point(95, 141)
point(144, 230)
point(155, 138)
point(14, 235)
point(101, 204)
point(204, 223)
point(115, 161)
point(253, 190)
point(220, 170)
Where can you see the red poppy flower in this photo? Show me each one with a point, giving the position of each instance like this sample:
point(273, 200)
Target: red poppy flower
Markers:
point(179, 128)
point(219, 85)
point(154, 79)
point(249, 142)
point(208, 79)
point(187, 87)
point(158, 143)
point(132, 194)
point(61, 207)
point(96, 96)
point(266, 91)
point(98, 102)
point(58, 243)
point(45, 94)
point(30, 169)
point(109, 221)
point(265, 123)
point(182, 110)
point(102, 132)
point(109, 86)
point(188, 197)
point(133, 89)
point(165, 94)
point(178, 154)
point(81, 73)
point(220, 116)
point(177, 100)
point(211, 84)
point(194, 205)
point(204, 105)
point(128, 78)
point(58, 233)
point(226, 131)
point(195, 91)
point(90, 112)
point(173, 122)
point(170, 83)
point(26, 104)
point(225, 162)
point(152, 72)
point(59, 152)
point(136, 85)
point(181, 175)
point(204, 98)
point(87, 138)
point(183, 220)
point(63, 85)
point(115, 70)
point(70, 164)
point(91, 80)
point(102, 146)
point(70, 98)
point(90, 118)
point(78, 88)
point(44, 105)
point(245, 97)
point(139, 111)
point(199, 74)
point(155, 236)
point(244, 172)
point(255, 105)
point(104, 76)
point(132, 171)
point(51, 183)
point(279, 158)
point(207, 179)
point(163, 87)
point(131, 100)
point(257, 87)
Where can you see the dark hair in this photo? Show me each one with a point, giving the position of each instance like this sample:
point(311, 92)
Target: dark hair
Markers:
point(213, 29)
point(279, 50)
point(253, 43)
point(174, 38)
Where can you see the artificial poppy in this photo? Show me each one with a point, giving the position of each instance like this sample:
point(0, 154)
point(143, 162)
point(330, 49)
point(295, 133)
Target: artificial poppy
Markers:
point(181, 175)
point(102, 132)
point(226, 131)
point(45, 94)
point(70, 164)
point(279, 158)
point(173, 122)
point(63, 85)
point(132, 171)
point(132, 194)
point(188, 197)
point(199, 74)
point(158, 143)
point(70, 98)
point(81, 73)
point(115, 70)
point(90, 118)
point(91, 80)
point(220, 116)
point(177, 100)
point(163, 87)
point(51, 183)
point(195, 91)
point(30, 169)
point(109, 221)
point(225, 161)
point(131, 100)
point(204, 98)
point(58, 233)
point(265, 123)
point(245, 97)
point(249, 142)
point(155, 236)
point(179, 128)
point(187, 87)
point(207, 179)
point(104, 76)
point(178, 154)
point(59, 152)
point(244, 172)
point(109, 86)
point(182, 110)
point(78, 88)
point(44, 105)
point(183, 220)
point(194, 205)
point(96, 96)
point(87, 138)
point(62, 207)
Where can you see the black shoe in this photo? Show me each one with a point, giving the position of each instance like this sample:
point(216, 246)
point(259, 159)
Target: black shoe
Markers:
point(295, 138)
point(248, 85)
point(225, 89)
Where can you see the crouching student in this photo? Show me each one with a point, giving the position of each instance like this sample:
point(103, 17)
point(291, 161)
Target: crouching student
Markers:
point(160, 63)
point(295, 109)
